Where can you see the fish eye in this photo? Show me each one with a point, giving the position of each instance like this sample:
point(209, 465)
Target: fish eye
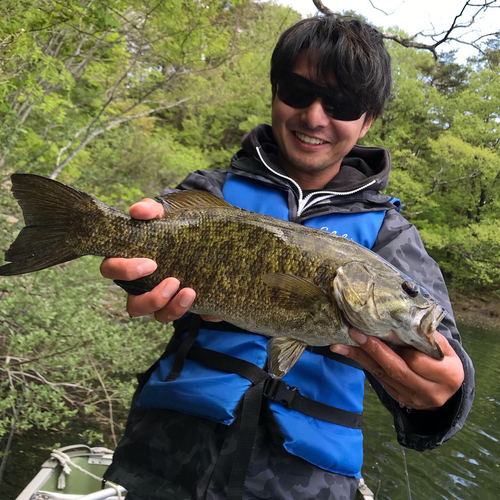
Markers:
point(410, 288)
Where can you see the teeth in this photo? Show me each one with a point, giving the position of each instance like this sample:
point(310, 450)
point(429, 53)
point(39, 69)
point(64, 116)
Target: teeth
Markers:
point(309, 140)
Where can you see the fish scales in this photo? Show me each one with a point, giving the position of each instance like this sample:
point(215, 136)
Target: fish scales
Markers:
point(222, 254)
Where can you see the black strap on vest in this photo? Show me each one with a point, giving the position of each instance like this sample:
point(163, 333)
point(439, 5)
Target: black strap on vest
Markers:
point(325, 351)
point(221, 361)
point(249, 420)
point(184, 347)
point(276, 389)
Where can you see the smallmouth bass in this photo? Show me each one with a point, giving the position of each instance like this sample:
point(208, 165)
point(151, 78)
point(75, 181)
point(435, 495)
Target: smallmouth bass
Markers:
point(299, 285)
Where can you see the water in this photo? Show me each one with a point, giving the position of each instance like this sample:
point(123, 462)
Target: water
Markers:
point(465, 468)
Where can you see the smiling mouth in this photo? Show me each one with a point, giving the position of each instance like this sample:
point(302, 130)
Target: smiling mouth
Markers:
point(308, 139)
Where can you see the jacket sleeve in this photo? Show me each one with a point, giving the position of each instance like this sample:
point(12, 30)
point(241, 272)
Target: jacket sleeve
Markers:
point(399, 243)
point(203, 180)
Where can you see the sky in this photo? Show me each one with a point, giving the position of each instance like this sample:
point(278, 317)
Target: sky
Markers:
point(414, 16)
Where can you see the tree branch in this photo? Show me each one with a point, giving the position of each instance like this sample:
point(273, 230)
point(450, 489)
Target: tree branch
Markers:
point(436, 183)
point(23, 361)
point(110, 403)
point(112, 123)
point(322, 8)
point(439, 38)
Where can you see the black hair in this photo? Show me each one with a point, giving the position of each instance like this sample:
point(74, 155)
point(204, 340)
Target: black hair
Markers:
point(350, 49)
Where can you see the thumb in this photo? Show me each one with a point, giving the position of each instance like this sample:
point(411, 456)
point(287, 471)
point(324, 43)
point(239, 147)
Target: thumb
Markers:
point(147, 209)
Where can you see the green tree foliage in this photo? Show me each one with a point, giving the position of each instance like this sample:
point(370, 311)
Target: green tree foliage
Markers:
point(442, 128)
point(125, 98)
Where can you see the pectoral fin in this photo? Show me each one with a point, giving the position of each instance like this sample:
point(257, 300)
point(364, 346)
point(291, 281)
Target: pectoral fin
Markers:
point(296, 291)
point(282, 354)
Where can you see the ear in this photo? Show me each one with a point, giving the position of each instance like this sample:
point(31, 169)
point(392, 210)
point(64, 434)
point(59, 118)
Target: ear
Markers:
point(366, 126)
point(273, 93)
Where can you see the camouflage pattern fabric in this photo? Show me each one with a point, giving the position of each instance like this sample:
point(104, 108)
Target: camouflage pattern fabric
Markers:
point(166, 455)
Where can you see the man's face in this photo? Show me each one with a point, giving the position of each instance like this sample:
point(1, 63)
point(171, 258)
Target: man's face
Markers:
point(312, 144)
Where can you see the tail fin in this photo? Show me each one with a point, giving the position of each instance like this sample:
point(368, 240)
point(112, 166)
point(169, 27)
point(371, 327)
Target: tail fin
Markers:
point(49, 214)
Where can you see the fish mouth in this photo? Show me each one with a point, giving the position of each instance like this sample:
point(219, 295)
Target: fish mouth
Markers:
point(425, 323)
point(431, 318)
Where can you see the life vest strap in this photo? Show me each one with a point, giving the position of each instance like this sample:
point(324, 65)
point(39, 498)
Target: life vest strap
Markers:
point(249, 421)
point(183, 348)
point(222, 361)
point(325, 351)
point(276, 389)
point(279, 390)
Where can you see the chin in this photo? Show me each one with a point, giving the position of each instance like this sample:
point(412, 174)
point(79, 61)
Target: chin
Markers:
point(306, 165)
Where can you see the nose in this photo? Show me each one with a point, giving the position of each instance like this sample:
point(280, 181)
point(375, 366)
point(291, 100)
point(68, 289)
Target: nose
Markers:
point(314, 115)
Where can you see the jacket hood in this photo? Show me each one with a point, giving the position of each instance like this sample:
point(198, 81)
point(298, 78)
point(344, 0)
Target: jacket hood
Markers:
point(362, 166)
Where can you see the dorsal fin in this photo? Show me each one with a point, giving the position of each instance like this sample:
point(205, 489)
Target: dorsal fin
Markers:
point(184, 200)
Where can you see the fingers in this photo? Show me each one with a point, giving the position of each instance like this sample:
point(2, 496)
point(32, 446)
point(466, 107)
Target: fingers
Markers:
point(446, 374)
point(392, 373)
point(162, 301)
point(425, 365)
point(376, 355)
point(147, 209)
point(131, 269)
point(409, 376)
point(179, 306)
point(397, 396)
point(158, 301)
point(116, 268)
point(207, 317)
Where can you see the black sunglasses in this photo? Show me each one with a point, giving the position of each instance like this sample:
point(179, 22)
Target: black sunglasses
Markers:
point(299, 92)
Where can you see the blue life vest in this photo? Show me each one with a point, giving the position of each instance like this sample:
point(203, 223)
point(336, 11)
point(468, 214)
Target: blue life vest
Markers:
point(214, 394)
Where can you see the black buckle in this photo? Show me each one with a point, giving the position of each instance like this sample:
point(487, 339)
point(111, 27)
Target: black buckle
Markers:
point(278, 390)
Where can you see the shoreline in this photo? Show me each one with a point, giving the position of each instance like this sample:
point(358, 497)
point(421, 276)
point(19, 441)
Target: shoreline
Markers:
point(478, 311)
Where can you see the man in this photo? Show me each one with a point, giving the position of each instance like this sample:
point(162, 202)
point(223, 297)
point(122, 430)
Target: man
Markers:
point(197, 428)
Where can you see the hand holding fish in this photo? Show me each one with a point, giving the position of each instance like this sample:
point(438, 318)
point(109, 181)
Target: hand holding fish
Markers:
point(409, 376)
point(158, 301)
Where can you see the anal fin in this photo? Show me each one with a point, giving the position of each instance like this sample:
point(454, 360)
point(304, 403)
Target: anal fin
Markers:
point(282, 354)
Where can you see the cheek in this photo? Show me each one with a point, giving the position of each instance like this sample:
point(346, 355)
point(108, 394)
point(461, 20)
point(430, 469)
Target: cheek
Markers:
point(281, 114)
point(347, 131)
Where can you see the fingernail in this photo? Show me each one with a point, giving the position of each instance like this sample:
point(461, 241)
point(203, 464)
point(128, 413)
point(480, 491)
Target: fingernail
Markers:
point(147, 204)
point(185, 300)
point(147, 267)
point(358, 337)
point(340, 349)
point(170, 288)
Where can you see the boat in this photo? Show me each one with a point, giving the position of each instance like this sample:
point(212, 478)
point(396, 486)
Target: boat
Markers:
point(75, 473)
